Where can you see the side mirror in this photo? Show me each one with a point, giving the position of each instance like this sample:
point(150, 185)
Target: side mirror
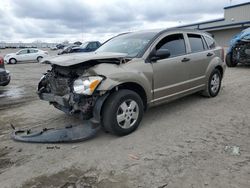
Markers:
point(160, 54)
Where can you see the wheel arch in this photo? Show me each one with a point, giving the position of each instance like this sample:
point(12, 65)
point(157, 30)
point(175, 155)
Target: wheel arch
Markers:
point(133, 87)
point(215, 63)
point(12, 58)
point(220, 69)
point(98, 108)
point(39, 56)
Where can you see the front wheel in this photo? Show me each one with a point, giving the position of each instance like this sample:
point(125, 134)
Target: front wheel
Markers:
point(214, 84)
point(12, 61)
point(122, 112)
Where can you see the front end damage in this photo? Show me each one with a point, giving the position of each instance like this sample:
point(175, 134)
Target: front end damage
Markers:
point(239, 50)
point(56, 87)
point(60, 87)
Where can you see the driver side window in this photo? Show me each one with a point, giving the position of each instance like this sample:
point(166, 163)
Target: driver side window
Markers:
point(174, 43)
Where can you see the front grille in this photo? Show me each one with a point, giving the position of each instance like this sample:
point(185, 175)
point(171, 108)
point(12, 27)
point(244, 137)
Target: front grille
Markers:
point(58, 85)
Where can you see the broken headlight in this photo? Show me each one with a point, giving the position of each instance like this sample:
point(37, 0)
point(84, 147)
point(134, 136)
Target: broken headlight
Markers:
point(86, 85)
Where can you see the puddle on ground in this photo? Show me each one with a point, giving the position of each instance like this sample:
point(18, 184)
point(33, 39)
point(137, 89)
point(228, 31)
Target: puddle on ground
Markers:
point(11, 92)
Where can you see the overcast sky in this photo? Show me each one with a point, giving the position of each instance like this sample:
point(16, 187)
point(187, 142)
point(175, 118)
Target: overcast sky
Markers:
point(59, 20)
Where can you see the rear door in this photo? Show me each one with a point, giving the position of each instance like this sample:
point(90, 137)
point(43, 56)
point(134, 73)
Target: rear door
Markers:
point(32, 55)
point(200, 56)
point(170, 74)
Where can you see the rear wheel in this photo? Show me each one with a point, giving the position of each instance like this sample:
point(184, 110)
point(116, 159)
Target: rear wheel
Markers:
point(229, 60)
point(122, 112)
point(39, 59)
point(12, 61)
point(214, 84)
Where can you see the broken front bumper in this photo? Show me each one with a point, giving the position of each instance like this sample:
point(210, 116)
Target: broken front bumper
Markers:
point(62, 100)
point(67, 134)
point(72, 133)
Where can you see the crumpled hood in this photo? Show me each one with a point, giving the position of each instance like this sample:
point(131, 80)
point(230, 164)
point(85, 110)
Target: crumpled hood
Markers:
point(240, 36)
point(77, 58)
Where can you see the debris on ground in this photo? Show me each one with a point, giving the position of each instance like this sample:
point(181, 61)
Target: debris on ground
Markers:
point(232, 150)
point(132, 156)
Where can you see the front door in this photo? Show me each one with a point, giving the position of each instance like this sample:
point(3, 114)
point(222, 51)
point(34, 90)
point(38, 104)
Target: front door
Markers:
point(22, 55)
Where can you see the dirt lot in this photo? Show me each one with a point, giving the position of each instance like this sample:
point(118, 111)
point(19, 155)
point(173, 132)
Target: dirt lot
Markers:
point(186, 143)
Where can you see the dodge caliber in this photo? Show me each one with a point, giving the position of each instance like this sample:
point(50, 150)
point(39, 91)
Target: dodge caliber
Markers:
point(113, 86)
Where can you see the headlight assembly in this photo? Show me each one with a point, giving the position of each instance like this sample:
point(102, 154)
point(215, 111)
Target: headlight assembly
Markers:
point(86, 85)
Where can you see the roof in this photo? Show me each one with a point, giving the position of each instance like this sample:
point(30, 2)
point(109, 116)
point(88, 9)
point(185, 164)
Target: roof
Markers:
point(238, 5)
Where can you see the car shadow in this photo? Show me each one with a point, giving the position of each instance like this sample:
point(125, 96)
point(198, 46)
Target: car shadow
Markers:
point(242, 66)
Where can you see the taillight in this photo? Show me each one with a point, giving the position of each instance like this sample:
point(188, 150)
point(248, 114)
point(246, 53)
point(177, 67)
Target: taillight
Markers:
point(223, 54)
point(1, 61)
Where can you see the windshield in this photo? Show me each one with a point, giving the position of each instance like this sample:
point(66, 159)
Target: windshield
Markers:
point(84, 45)
point(131, 43)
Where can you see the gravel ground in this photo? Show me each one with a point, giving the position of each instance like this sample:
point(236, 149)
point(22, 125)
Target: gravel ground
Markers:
point(192, 142)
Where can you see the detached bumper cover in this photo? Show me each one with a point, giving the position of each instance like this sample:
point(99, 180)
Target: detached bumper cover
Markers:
point(67, 134)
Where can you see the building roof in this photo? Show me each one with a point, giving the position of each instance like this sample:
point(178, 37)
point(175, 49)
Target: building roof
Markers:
point(234, 16)
point(238, 5)
point(203, 22)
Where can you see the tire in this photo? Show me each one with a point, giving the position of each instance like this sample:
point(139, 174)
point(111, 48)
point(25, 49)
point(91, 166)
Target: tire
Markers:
point(229, 61)
point(213, 85)
point(12, 61)
point(39, 58)
point(117, 107)
point(6, 83)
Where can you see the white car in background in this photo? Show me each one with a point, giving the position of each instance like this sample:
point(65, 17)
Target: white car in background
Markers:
point(27, 54)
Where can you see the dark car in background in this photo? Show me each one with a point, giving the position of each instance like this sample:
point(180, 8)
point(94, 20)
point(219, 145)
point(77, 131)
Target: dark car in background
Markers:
point(239, 50)
point(60, 46)
point(85, 47)
point(67, 49)
point(4, 74)
point(89, 46)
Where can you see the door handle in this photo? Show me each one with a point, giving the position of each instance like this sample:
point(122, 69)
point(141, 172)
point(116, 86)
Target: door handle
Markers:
point(185, 59)
point(210, 54)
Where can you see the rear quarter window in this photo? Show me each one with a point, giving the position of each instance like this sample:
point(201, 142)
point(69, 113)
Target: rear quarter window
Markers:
point(210, 42)
point(196, 43)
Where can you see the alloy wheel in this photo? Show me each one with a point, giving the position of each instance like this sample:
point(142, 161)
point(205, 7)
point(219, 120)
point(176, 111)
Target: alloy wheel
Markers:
point(127, 114)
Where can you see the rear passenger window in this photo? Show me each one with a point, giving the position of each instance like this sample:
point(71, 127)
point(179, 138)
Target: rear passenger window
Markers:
point(33, 51)
point(174, 43)
point(210, 42)
point(196, 43)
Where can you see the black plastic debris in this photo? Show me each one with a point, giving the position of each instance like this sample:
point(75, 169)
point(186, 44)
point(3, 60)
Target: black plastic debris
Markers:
point(71, 133)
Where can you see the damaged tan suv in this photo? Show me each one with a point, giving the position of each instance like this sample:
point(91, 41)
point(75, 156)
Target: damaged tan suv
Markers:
point(131, 72)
